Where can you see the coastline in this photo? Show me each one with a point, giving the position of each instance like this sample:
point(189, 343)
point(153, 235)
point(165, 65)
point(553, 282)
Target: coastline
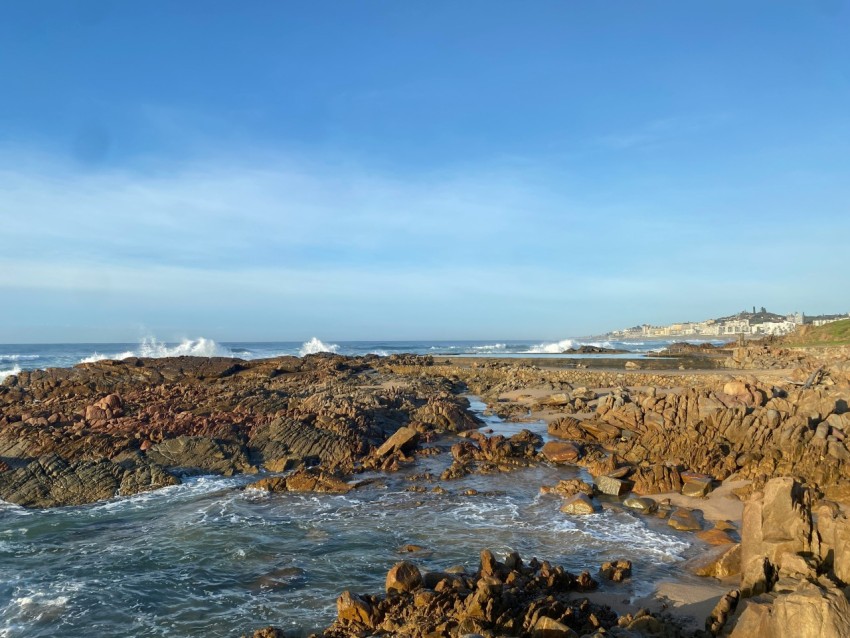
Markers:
point(135, 425)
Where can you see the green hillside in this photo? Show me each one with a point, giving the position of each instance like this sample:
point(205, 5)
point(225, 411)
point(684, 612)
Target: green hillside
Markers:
point(836, 333)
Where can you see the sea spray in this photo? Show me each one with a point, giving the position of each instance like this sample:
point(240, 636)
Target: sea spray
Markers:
point(315, 346)
point(8, 373)
point(151, 348)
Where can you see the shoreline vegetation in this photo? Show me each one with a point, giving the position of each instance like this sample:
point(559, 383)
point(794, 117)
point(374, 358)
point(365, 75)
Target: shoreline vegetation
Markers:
point(742, 446)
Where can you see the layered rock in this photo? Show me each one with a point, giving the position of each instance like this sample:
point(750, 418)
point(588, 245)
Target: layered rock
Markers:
point(124, 426)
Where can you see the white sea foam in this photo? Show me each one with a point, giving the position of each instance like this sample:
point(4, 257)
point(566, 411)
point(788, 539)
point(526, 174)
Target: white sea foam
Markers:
point(552, 348)
point(314, 346)
point(380, 353)
point(18, 357)
point(496, 347)
point(9, 373)
point(150, 347)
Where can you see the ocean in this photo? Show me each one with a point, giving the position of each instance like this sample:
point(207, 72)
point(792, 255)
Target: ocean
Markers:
point(212, 558)
point(16, 357)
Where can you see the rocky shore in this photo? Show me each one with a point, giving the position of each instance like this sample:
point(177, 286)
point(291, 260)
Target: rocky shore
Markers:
point(759, 424)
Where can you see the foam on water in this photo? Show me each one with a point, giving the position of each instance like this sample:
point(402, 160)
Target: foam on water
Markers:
point(315, 346)
point(552, 348)
point(8, 373)
point(19, 357)
point(151, 348)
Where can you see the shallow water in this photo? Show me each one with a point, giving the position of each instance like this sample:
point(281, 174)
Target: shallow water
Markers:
point(212, 558)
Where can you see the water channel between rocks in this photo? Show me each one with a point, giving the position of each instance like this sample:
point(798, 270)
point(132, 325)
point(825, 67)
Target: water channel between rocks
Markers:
point(211, 558)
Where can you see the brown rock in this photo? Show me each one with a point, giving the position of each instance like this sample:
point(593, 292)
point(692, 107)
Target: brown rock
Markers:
point(809, 611)
point(612, 486)
point(578, 504)
point(351, 608)
point(546, 627)
point(641, 504)
point(715, 537)
point(403, 577)
point(718, 562)
point(403, 440)
point(561, 452)
point(684, 520)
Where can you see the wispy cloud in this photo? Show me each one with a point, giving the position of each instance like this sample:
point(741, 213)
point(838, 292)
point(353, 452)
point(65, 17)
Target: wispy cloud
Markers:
point(285, 244)
point(660, 131)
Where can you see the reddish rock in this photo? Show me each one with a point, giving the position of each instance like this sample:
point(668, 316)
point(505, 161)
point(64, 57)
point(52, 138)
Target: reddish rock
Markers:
point(561, 452)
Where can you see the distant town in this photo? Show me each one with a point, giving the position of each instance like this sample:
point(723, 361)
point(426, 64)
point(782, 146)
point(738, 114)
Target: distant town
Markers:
point(755, 323)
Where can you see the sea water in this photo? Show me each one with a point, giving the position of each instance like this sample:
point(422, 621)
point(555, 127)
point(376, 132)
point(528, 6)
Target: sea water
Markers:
point(17, 357)
point(214, 557)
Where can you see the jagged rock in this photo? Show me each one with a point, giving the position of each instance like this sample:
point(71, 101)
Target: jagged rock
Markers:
point(510, 598)
point(351, 608)
point(285, 442)
point(718, 562)
point(811, 610)
point(546, 627)
point(775, 523)
point(726, 606)
point(616, 571)
point(569, 487)
point(833, 530)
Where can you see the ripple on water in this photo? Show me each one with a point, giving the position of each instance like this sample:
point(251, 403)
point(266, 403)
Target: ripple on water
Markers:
point(210, 558)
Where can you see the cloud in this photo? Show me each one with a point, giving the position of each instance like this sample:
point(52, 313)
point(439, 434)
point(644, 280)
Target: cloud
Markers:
point(280, 244)
point(282, 211)
point(661, 131)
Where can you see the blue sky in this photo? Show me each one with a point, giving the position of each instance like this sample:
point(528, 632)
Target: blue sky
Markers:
point(380, 170)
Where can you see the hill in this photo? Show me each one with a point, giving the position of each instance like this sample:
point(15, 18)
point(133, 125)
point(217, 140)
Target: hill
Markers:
point(836, 333)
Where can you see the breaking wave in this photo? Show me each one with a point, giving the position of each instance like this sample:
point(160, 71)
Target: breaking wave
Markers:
point(153, 349)
point(19, 357)
point(9, 373)
point(315, 346)
point(553, 348)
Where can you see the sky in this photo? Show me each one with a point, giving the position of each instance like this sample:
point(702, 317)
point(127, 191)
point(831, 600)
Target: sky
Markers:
point(418, 170)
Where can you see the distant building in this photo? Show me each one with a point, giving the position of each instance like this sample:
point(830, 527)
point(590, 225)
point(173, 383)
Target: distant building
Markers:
point(821, 320)
point(757, 322)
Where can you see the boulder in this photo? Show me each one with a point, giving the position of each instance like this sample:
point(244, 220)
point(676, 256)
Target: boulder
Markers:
point(641, 504)
point(403, 440)
point(578, 504)
point(612, 486)
point(403, 577)
point(561, 452)
point(684, 520)
point(696, 485)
